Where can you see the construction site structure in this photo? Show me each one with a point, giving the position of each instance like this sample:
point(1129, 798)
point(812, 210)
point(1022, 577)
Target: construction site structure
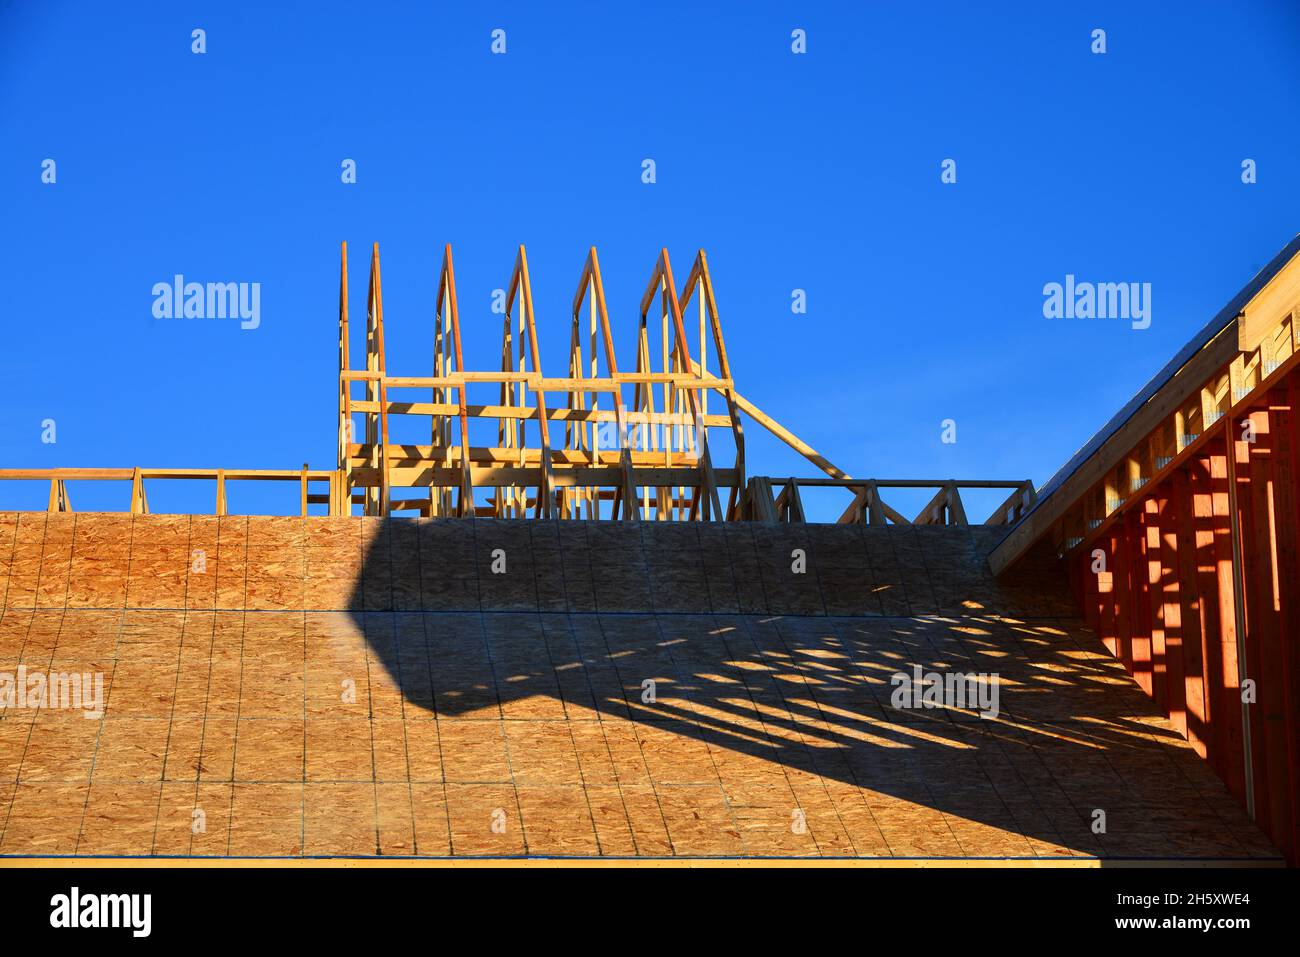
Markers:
point(1176, 527)
point(619, 445)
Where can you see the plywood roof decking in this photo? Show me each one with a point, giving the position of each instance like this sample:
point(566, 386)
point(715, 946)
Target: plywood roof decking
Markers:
point(79, 560)
point(537, 719)
point(534, 716)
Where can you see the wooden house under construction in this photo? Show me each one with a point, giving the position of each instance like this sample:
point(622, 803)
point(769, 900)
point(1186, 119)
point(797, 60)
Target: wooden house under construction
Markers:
point(576, 622)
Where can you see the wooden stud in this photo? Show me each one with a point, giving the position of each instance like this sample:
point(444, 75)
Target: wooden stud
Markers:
point(139, 504)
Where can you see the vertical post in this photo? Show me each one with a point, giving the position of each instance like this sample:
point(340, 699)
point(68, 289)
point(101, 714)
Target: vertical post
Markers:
point(59, 500)
point(956, 511)
point(875, 514)
point(377, 421)
point(341, 501)
point(593, 433)
point(139, 505)
point(385, 485)
point(1238, 608)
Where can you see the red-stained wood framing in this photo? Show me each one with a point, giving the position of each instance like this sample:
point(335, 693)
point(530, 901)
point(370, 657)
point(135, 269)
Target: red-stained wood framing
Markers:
point(1165, 590)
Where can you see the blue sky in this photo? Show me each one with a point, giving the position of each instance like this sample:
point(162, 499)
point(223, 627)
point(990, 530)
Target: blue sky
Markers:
point(818, 171)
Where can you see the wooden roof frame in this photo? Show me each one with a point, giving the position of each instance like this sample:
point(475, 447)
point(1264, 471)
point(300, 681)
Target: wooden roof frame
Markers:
point(673, 478)
point(1248, 346)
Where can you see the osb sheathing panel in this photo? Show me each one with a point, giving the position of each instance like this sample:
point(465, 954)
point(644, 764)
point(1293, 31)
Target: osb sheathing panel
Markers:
point(439, 709)
point(67, 560)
